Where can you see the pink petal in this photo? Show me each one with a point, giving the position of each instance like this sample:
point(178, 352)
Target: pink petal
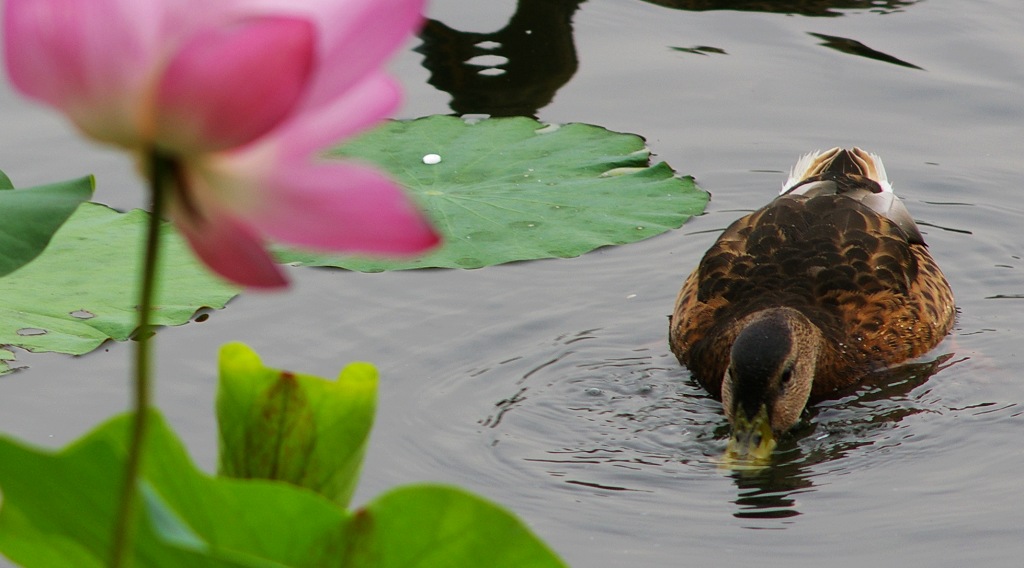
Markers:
point(89, 58)
point(341, 207)
point(231, 84)
point(229, 247)
point(184, 17)
point(361, 107)
point(359, 37)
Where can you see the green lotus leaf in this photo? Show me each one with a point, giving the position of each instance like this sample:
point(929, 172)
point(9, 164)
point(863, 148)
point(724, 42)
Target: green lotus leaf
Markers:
point(292, 427)
point(29, 217)
point(58, 512)
point(58, 508)
point(82, 290)
point(507, 189)
point(421, 526)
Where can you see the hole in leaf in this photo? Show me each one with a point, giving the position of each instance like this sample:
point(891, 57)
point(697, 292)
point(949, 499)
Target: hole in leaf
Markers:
point(30, 331)
point(82, 314)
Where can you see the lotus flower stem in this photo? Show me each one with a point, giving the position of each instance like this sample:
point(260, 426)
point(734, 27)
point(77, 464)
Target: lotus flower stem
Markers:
point(161, 172)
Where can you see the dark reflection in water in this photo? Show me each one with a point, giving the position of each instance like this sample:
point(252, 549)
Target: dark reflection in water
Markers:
point(518, 69)
point(514, 71)
point(854, 47)
point(770, 493)
point(701, 50)
point(829, 8)
point(829, 432)
point(595, 415)
point(950, 229)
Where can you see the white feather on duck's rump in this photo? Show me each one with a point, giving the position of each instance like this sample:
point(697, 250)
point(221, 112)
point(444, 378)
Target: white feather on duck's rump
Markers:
point(831, 171)
point(816, 163)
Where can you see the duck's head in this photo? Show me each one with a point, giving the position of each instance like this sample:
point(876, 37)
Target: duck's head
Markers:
point(769, 378)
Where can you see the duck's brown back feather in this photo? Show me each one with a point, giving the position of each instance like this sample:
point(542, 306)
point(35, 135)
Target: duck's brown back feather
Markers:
point(878, 298)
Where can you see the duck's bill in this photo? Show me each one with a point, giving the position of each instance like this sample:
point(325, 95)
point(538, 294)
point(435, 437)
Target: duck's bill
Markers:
point(751, 443)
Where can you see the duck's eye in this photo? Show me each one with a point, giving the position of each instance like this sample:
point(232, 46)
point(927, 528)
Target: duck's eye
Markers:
point(786, 376)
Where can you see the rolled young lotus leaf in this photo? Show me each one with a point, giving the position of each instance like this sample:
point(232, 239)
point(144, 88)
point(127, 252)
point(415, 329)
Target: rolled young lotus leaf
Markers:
point(297, 428)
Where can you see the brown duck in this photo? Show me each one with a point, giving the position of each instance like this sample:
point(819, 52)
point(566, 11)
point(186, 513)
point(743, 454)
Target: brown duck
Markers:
point(826, 284)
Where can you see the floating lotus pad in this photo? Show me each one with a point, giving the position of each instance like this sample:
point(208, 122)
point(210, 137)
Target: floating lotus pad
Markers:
point(508, 189)
point(82, 290)
point(29, 217)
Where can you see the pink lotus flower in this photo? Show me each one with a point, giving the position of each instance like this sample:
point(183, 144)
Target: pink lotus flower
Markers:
point(239, 96)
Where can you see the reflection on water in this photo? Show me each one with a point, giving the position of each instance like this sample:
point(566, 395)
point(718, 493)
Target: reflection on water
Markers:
point(517, 70)
point(829, 432)
point(854, 47)
point(514, 71)
point(701, 50)
point(589, 411)
point(801, 7)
